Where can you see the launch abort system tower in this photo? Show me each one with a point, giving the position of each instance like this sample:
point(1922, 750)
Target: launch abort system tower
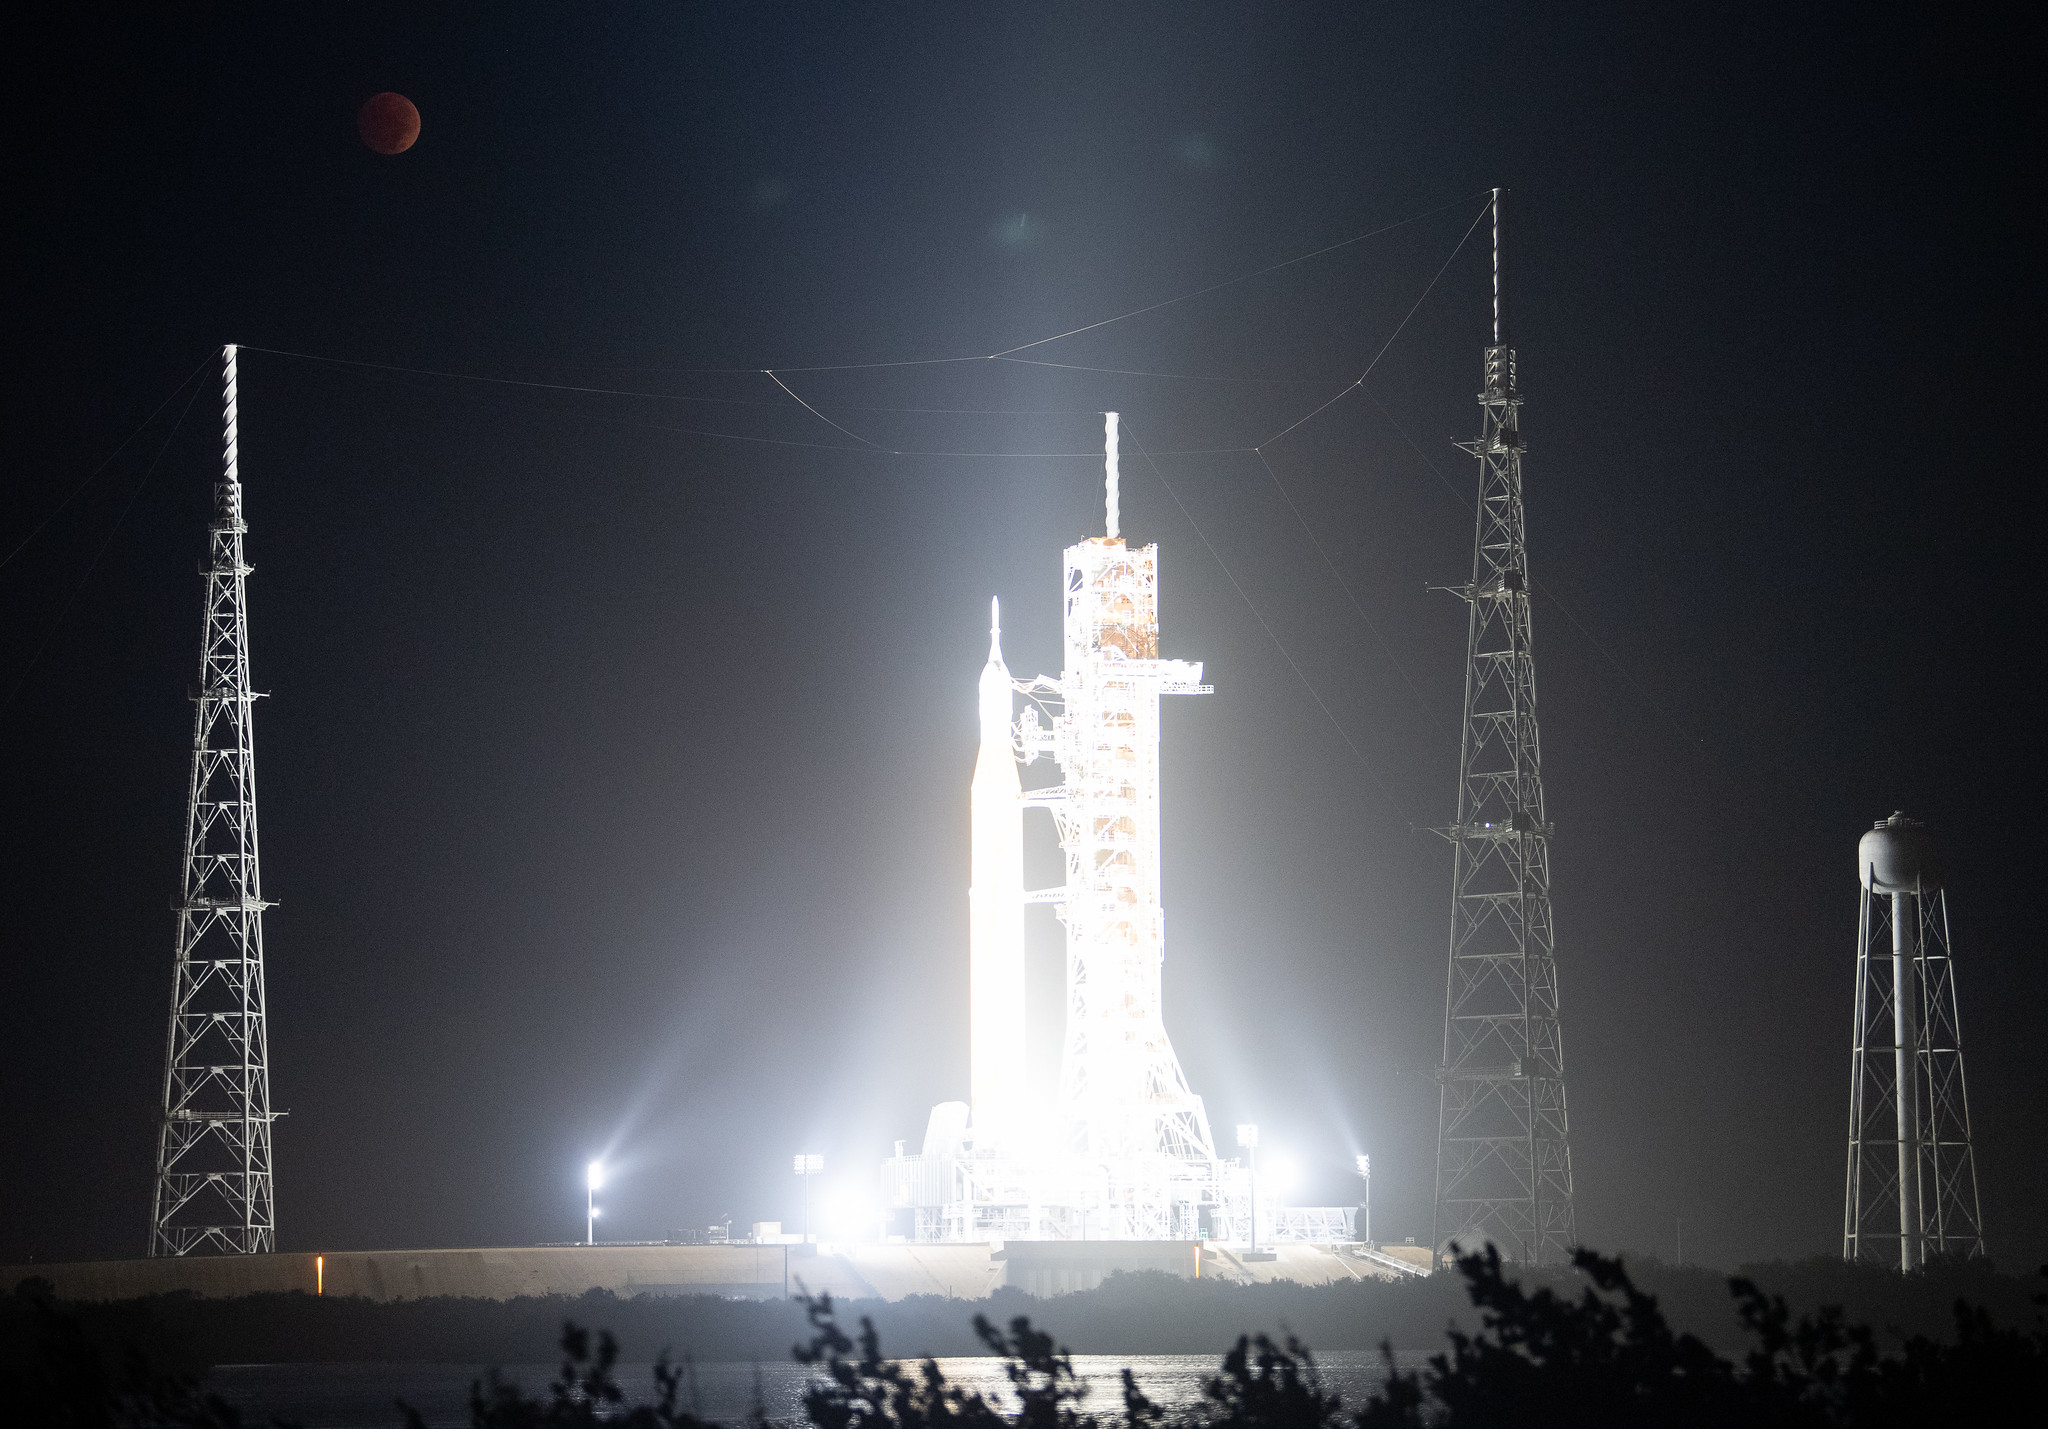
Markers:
point(1504, 1162)
point(1912, 1186)
point(213, 1188)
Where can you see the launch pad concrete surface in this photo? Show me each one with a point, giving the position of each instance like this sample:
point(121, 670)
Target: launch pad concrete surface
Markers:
point(751, 1272)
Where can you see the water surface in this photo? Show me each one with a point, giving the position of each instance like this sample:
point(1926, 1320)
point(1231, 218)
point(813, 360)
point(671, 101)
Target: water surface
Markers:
point(359, 1396)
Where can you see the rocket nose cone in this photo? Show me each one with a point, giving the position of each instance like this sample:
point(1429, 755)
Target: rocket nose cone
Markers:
point(995, 690)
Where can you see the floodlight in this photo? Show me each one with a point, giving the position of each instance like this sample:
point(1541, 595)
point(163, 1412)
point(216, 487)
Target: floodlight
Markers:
point(809, 1165)
point(595, 1175)
point(1365, 1170)
point(1248, 1134)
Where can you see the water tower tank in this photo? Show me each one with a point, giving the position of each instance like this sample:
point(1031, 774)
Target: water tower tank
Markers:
point(1899, 856)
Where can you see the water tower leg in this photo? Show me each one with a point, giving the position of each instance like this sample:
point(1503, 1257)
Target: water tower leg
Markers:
point(1905, 1041)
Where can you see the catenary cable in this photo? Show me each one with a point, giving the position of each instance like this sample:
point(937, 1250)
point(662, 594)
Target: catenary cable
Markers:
point(989, 356)
point(1697, 744)
point(79, 589)
point(1227, 282)
point(870, 449)
point(1360, 381)
point(820, 415)
point(120, 447)
point(1343, 585)
point(1175, 376)
point(1252, 606)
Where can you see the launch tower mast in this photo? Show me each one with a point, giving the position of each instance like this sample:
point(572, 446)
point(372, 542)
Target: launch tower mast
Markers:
point(213, 1187)
point(1122, 1091)
point(1504, 1164)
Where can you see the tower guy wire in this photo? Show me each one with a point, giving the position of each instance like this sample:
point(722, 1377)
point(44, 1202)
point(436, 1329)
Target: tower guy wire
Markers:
point(1342, 584)
point(95, 473)
point(57, 625)
point(1349, 743)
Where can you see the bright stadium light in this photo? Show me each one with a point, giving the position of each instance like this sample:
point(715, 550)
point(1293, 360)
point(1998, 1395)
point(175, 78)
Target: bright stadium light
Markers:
point(1365, 1172)
point(593, 1177)
point(1248, 1138)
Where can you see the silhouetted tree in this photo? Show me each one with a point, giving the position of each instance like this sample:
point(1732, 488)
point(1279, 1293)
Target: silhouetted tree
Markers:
point(53, 1373)
point(1610, 1358)
point(1263, 1386)
point(584, 1396)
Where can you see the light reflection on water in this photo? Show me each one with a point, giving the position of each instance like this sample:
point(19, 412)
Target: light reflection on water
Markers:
point(359, 1396)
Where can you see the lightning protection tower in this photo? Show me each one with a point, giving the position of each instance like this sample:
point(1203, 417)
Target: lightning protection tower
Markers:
point(213, 1183)
point(1912, 1189)
point(1504, 1165)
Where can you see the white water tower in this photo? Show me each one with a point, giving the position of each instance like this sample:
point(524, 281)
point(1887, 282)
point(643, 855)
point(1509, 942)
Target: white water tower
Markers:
point(1912, 1177)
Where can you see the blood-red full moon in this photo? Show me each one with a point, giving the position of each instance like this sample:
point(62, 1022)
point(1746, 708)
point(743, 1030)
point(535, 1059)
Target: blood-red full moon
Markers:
point(388, 123)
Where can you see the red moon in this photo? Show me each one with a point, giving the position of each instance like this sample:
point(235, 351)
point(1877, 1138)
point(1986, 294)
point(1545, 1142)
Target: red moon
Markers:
point(388, 123)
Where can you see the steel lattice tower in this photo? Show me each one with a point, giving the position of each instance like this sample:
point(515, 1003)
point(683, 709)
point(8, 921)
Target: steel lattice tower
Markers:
point(1912, 1178)
point(213, 1177)
point(1504, 1167)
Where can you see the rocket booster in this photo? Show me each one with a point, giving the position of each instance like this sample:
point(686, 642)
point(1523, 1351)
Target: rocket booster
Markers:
point(996, 910)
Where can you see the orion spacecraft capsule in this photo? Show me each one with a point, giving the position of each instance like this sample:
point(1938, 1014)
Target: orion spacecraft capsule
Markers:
point(996, 912)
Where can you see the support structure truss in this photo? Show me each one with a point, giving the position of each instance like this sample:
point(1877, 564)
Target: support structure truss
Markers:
point(1922, 1147)
point(1122, 1092)
point(1504, 1168)
point(213, 1168)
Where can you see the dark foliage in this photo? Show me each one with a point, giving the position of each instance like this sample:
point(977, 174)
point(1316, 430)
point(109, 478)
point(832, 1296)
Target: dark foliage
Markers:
point(54, 1373)
point(862, 1390)
point(1610, 1358)
point(1542, 1357)
point(1260, 1386)
point(583, 1397)
point(1265, 1387)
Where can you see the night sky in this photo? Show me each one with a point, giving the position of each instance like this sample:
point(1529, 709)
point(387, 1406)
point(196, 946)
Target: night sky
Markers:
point(613, 779)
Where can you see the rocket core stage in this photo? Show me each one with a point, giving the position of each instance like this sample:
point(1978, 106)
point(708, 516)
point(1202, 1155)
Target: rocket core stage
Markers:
point(995, 895)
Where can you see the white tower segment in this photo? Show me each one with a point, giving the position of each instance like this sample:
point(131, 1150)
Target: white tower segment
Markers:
point(1123, 1096)
point(213, 1190)
point(996, 911)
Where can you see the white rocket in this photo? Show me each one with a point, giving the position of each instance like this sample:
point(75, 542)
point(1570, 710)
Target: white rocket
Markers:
point(996, 912)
